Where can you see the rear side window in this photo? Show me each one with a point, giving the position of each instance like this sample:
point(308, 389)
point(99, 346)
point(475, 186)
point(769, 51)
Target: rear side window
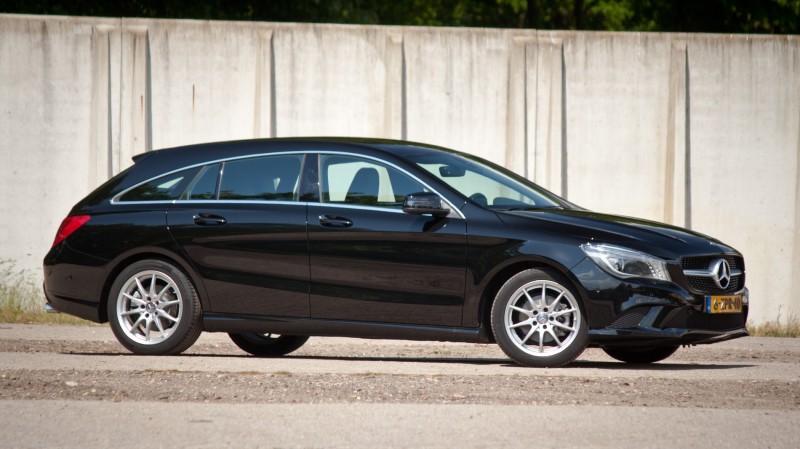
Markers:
point(204, 186)
point(268, 178)
point(165, 188)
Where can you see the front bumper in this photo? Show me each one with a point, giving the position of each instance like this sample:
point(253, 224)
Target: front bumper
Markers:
point(670, 326)
point(643, 337)
point(649, 313)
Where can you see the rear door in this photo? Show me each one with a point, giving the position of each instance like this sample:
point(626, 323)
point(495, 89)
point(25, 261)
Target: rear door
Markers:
point(370, 261)
point(242, 226)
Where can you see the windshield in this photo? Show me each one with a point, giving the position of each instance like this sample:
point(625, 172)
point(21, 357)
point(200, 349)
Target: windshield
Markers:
point(488, 185)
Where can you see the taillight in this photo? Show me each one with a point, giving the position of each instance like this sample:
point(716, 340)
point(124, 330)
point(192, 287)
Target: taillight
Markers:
point(68, 226)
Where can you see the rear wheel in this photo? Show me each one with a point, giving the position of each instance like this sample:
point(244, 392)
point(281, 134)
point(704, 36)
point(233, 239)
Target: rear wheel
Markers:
point(641, 355)
point(537, 319)
point(153, 309)
point(268, 345)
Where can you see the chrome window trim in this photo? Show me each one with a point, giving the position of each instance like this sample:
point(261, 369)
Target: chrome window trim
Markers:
point(172, 202)
point(357, 206)
point(278, 203)
point(115, 200)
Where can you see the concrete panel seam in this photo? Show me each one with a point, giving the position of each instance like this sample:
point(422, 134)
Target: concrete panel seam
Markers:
point(545, 105)
point(796, 244)
point(687, 217)
point(395, 92)
point(516, 151)
point(100, 147)
point(675, 151)
point(136, 95)
point(264, 98)
point(564, 152)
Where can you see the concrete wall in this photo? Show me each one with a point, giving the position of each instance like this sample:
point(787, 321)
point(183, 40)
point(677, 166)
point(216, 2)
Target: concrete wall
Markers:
point(697, 130)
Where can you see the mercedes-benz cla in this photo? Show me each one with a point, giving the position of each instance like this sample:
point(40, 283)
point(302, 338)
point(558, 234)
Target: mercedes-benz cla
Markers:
point(273, 241)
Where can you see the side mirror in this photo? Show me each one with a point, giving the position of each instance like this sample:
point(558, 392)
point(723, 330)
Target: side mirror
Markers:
point(425, 203)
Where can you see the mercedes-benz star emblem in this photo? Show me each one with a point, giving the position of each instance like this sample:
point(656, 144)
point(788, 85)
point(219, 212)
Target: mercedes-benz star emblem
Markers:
point(722, 273)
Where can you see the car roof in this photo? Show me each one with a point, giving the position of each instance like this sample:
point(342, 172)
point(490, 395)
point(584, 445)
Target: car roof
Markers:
point(195, 154)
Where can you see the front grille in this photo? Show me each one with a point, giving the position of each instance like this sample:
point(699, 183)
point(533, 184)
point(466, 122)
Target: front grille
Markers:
point(688, 318)
point(702, 262)
point(706, 285)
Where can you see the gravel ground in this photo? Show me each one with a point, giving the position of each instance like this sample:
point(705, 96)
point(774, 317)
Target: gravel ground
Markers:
point(381, 388)
point(646, 389)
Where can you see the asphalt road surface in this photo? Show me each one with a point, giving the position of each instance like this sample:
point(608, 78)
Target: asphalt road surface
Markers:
point(73, 386)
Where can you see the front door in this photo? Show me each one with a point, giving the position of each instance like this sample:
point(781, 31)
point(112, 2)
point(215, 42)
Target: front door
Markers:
point(370, 261)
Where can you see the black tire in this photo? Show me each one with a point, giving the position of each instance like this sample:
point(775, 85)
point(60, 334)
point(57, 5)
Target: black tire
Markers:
point(153, 309)
point(268, 345)
point(641, 355)
point(558, 335)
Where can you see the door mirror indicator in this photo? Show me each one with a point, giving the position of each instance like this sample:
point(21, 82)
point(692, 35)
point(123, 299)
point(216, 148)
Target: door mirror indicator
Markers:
point(422, 203)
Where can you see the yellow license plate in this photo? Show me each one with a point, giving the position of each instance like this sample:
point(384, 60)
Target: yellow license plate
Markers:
point(724, 304)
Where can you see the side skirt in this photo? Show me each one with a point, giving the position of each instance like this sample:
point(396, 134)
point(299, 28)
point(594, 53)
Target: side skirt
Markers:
point(213, 322)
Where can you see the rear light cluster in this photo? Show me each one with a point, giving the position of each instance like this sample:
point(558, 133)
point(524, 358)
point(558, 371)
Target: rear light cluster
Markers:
point(68, 226)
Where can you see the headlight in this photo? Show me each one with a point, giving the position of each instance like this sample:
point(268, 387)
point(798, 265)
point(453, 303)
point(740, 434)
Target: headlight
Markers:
point(626, 263)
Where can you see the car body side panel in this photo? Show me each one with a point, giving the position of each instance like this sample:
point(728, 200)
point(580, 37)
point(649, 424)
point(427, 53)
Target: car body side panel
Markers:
point(73, 282)
point(494, 247)
point(387, 267)
point(256, 263)
point(78, 269)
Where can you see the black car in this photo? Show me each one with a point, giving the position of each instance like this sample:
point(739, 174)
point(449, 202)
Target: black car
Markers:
point(277, 240)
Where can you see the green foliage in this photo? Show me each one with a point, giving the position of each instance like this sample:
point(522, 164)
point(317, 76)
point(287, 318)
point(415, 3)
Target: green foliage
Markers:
point(22, 301)
point(715, 16)
point(780, 327)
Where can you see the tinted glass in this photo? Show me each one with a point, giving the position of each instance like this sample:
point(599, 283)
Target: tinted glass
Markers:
point(167, 187)
point(352, 180)
point(204, 186)
point(271, 178)
point(486, 185)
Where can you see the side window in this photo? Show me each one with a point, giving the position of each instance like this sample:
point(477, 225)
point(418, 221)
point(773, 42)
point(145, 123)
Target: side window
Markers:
point(204, 186)
point(270, 178)
point(352, 180)
point(165, 188)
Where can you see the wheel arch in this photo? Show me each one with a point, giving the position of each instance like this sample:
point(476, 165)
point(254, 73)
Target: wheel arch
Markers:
point(170, 257)
point(503, 274)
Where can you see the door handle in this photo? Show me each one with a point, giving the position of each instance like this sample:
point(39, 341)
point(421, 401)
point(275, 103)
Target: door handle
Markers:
point(209, 220)
point(332, 221)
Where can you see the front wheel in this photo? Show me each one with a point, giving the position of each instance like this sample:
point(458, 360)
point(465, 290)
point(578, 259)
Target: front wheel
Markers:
point(268, 345)
point(537, 320)
point(641, 355)
point(153, 309)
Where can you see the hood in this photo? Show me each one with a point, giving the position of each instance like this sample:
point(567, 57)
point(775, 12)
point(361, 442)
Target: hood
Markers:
point(658, 239)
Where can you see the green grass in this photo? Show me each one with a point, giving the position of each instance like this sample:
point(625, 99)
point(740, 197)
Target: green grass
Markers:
point(22, 301)
point(779, 327)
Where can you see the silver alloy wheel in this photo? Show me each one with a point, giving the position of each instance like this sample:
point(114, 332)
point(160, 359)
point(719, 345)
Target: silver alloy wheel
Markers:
point(149, 307)
point(542, 318)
